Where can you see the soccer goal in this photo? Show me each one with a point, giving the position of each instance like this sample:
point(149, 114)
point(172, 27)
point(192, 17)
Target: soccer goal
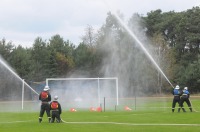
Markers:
point(97, 85)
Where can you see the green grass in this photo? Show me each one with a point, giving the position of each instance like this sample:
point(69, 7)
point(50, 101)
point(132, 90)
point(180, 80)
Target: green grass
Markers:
point(143, 119)
point(128, 121)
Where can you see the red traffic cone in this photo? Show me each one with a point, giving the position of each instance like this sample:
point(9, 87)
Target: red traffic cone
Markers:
point(99, 109)
point(92, 109)
point(127, 108)
point(72, 110)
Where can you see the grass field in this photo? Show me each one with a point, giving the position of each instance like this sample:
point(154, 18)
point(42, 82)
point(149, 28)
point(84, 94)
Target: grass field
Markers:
point(151, 117)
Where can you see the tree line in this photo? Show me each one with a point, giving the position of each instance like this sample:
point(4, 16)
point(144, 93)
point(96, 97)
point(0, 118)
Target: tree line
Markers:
point(172, 38)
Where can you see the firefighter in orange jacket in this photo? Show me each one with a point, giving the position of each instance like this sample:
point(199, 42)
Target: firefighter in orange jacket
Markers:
point(55, 110)
point(45, 98)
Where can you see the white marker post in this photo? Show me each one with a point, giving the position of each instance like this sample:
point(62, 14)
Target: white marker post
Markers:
point(22, 94)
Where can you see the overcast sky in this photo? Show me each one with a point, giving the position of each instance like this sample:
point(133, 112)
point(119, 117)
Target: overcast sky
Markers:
point(22, 21)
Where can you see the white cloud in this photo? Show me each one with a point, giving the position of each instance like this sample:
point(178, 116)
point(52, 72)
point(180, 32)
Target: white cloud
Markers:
point(24, 20)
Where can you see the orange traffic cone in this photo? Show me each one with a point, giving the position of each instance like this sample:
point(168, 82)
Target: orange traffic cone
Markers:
point(127, 108)
point(72, 110)
point(92, 109)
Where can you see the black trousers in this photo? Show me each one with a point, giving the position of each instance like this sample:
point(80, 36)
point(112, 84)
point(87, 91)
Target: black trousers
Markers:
point(185, 99)
point(175, 100)
point(55, 115)
point(45, 107)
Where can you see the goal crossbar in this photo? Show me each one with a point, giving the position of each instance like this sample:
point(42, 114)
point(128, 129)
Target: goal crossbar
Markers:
point(107, 78)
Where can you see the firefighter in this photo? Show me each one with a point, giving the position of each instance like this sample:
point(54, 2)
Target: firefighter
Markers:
point(45, 98)
point(185, 98)
point(55, 110)
point(176, 92)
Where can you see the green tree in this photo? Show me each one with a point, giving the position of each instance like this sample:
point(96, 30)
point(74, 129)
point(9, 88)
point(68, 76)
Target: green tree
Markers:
point(180, 31)
point(82, 56)
point(61, 59)
point(39, 54)
point(5, 48)
point(52, 66)
point(65, 63)
point(21, 62)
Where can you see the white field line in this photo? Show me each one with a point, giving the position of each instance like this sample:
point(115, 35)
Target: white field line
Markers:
point(114, 123)
point(10, 122)
point(131, 124)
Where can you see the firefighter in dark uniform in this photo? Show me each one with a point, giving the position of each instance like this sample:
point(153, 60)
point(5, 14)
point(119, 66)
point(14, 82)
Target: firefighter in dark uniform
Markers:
point(177, 93)
point(45, 98)
point(55, 110)
point(185, 98)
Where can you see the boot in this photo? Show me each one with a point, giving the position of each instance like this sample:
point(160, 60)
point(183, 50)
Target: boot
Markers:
point(49, 119)
point(52, 121)
point(40, 120)
point(57, 120)
point(183, 110)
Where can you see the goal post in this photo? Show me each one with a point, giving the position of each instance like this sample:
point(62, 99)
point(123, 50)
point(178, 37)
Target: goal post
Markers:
point(98, 85)
point(23, 91)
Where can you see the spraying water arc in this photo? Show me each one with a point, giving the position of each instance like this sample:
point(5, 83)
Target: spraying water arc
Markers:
point(139, 42)
point(6, 66)
point(143, 48)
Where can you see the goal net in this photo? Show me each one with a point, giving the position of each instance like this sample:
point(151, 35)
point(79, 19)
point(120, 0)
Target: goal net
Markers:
point(84, 92)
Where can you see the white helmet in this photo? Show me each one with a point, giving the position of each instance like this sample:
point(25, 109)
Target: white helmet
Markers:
point(177, 87)
point(185, 88)
point(56, 97)
point(46, 88)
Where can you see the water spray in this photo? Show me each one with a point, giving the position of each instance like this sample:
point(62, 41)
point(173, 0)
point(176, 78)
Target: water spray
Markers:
point(138, 41)
point(6, 66)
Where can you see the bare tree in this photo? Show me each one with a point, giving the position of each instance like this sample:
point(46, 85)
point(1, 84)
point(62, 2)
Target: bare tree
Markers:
point(89, 36)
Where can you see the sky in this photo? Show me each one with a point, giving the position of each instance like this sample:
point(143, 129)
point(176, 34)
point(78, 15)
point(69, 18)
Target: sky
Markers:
point(22, 21)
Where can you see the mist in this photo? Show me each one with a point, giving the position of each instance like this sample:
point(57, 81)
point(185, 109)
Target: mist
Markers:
point(126, 60)
point(123, 59)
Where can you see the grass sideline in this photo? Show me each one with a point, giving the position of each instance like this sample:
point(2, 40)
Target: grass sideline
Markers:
point(142, 119)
